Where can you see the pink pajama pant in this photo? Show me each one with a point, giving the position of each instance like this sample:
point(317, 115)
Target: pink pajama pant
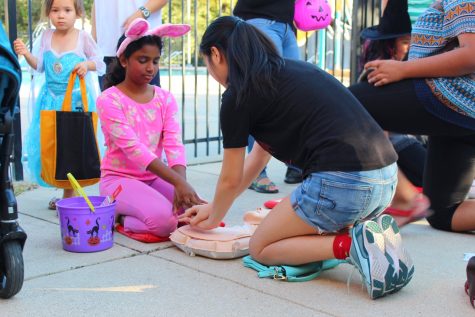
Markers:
point(147, 206)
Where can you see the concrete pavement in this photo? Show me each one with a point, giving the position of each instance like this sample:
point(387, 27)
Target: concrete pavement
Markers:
point(135, 279)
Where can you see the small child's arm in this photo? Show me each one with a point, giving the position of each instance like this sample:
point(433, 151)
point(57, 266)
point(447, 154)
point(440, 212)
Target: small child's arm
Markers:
point(21, 49)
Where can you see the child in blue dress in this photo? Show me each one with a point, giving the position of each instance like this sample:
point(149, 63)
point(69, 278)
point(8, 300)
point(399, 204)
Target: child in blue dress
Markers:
point(63, 50)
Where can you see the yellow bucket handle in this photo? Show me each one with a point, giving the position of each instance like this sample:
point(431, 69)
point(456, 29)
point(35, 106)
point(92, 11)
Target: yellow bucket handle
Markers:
point(80, 191)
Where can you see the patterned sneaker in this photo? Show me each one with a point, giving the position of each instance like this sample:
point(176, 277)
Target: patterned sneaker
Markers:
point(402, 260)
point(367, 253)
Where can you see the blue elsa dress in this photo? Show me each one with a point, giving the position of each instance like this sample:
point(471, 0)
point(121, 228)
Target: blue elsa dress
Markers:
point(57, 69)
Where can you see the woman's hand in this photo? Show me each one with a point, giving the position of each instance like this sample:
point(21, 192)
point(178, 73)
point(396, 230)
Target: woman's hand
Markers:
point(81, 69)
point(200, 216)
point(185, 196)
point(136, 15)
point(20, 47)
point(385, 72)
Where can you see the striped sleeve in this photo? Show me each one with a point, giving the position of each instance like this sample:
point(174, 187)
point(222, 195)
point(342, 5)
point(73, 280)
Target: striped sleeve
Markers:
point(459, 17)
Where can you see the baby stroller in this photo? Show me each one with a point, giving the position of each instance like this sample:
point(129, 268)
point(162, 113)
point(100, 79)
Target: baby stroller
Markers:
point(12, 236)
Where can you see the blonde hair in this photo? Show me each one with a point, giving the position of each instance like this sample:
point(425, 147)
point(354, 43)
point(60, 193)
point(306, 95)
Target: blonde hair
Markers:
point(78, 6)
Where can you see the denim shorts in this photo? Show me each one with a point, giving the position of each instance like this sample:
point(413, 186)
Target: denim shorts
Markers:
point(332, 201)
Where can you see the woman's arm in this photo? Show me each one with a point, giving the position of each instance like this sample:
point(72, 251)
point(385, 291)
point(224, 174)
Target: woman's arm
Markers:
point(457, 62)
point(152, 5)
point(155, 5)
point(236, 175)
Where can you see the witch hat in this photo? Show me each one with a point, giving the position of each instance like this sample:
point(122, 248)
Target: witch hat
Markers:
point(395, 22)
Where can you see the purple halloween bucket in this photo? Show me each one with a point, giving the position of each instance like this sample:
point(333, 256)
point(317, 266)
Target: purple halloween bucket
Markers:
point(83, 230)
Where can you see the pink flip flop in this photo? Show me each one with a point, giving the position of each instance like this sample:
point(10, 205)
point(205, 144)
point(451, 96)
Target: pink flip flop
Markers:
point(420, 210)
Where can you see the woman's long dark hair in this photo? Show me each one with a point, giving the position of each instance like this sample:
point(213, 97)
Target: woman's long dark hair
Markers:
point(252, 58)
point(115, 72)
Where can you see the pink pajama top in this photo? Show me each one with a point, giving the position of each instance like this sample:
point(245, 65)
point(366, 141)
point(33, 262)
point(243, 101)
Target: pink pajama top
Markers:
point(136, 133)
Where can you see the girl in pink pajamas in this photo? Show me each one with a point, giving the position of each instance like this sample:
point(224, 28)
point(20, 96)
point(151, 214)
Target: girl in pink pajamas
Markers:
point(140, 121)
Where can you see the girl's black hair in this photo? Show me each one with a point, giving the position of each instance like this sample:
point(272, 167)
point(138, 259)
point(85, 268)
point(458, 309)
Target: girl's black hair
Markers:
point(252, 58)
point(115, 72)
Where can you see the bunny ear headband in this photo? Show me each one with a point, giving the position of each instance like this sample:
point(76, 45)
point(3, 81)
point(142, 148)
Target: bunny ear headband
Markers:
point(140, 28)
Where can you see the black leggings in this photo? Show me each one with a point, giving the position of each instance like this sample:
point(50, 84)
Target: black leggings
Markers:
point(411, 161)
point(450, 162)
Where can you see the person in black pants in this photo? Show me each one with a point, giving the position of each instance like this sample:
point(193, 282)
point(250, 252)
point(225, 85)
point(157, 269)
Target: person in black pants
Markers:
point(433, 93)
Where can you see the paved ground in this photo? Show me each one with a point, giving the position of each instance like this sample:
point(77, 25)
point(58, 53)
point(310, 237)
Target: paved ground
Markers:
point(135, 279)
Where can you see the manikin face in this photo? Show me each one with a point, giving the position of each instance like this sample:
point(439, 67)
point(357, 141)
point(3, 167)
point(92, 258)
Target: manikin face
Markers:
point(142, 66)
point(217, 66)
point(402, 47)
point(63, 14)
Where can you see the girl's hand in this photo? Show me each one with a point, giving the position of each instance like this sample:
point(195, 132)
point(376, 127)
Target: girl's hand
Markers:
point(81, 69)
point(19, 47)
point(385, 72)
point(185, 196)
point(200, 216)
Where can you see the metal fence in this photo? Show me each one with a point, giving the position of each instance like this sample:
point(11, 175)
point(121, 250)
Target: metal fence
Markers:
point(335, 49)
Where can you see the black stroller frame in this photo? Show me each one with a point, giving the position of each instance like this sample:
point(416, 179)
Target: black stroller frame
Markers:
point(12, 236)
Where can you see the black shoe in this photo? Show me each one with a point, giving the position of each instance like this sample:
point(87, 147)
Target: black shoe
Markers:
point(293, 176)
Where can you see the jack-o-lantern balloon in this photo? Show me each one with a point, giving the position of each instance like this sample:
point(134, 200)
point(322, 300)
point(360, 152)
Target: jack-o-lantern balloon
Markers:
point(312, 14)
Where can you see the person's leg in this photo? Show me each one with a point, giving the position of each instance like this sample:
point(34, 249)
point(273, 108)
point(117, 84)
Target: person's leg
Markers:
point(408, 204)
point(266, 26)
point(164, 188)
point(286, 44)
point(262, 184)
point(324, 203)
point(293, 175)
point(329, 203)
point(290, 50)
point(412, 161)
point(450, 170)
point(284, 238)
point(250, 145)
point(405, 193)
point(67, 193)
point(275, 31)
point(145, 209)
point(396, 108)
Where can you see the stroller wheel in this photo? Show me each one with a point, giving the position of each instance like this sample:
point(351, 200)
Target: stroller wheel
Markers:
point(11, 268)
